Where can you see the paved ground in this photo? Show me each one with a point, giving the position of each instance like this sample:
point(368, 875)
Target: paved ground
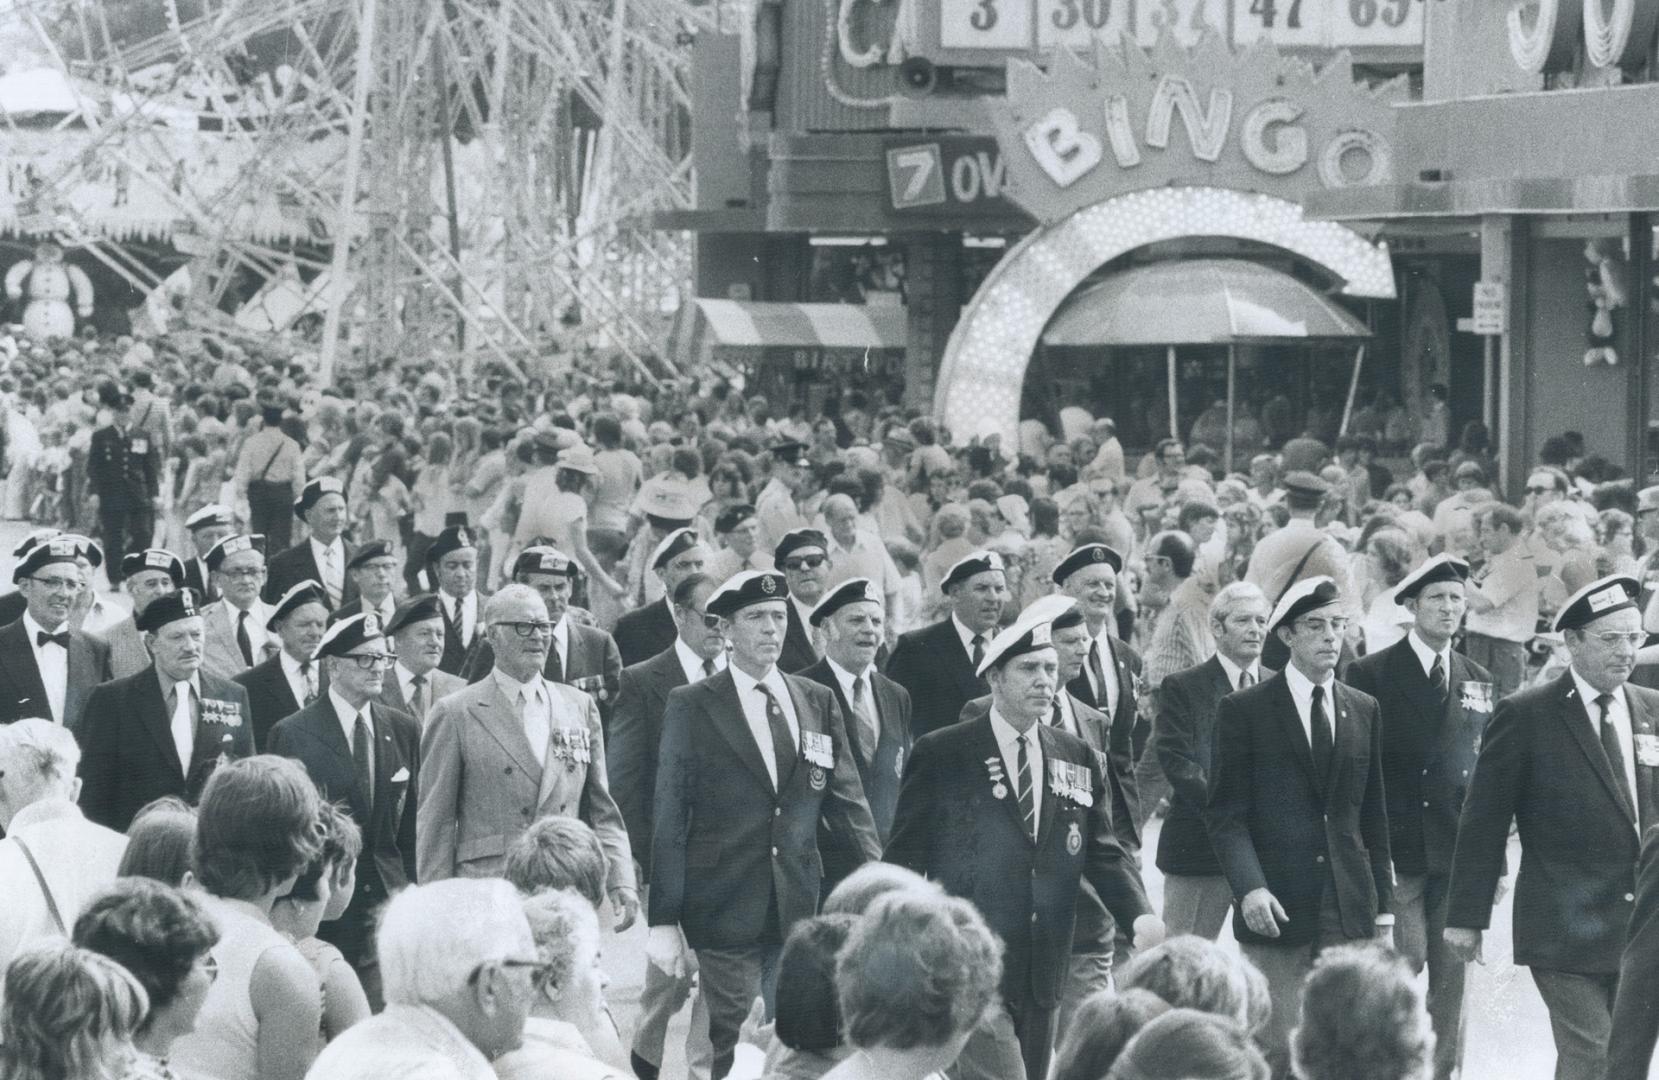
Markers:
point(1509, 1035)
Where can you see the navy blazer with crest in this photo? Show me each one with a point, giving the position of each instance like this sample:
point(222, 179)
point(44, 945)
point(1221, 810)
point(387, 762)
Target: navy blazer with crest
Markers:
point(880, 775)
point(1275, 824)
point(314, 737)
point(729, 848)
point(127, 755)
point(458, 653)
point(1129, 730)
point(798, 651)
point(1429, 744)
point(23, 694)
point(1541, 765)
point(299, 563)
point(644, 632)
point(954, 827)
point(938, 673)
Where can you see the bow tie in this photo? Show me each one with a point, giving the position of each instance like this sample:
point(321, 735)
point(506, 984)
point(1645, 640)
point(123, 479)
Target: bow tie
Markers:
point(60, 639)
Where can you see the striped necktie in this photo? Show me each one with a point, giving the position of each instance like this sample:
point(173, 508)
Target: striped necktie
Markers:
point(1022, 786)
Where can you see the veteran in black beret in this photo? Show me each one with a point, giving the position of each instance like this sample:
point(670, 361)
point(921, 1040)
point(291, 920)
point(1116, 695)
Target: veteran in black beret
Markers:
point(323, 556)
point(1296, 813)
point(1573, 763)
point(1434, 704)
point(373, 571)
point(751, 760)
point(452, 566)
point(647, 631)
point(366, 756)
point(737, 529)
point(1013, 813)
point(777, 506)
point(938, 664)
point(802, 557)
point(164, 730)
point(417, 632)
point(291, 678)
point(148, 574)
point(47, 667)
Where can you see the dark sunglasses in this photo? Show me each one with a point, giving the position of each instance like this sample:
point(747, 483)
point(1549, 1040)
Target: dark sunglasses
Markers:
point(805, 562)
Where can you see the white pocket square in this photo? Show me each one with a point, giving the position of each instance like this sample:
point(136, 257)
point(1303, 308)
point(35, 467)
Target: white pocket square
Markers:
point(400, 775)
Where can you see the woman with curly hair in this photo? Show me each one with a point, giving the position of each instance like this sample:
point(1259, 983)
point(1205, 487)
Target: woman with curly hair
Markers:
point(163, 937)
point(569, 1011)
point(258, 828)
point(915, 979)
point(69, 1014)
point(1361, 1018)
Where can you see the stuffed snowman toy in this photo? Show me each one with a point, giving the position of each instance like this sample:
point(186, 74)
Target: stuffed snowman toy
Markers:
point(46, 283)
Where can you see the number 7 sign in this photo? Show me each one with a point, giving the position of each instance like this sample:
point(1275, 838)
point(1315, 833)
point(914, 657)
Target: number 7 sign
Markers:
point(916, 176)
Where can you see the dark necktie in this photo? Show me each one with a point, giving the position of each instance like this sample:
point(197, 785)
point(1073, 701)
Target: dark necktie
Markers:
point(362, 757)
point(1437, 675)
point(1059, 718)
point(1615, 753)
point(310, 681)
point(783, 743)
point(1323, 744)
point(708, 668)
point(1098, 674)
point(61, 639)
point(978, 656)
point(555, 669)
point(244, 642)
point(417, 694)
point(1022, 786)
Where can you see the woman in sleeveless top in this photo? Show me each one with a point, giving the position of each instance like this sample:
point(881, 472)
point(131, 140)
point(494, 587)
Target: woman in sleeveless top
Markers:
point(257, 829)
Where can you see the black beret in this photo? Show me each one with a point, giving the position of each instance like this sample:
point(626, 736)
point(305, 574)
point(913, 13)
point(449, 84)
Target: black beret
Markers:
point(306, 592)
point(313, 492)
point(746, 589)
point(170, 608)
point(1087, 555)
point(416, 609)
point(347, 634)
point(789, 452)
point(1603, 596)
point(136, 562)
point(374, 549)
point(852, 591)
point(452, 539)
point(1439, 568)
point(795, 539)
point(733, 516)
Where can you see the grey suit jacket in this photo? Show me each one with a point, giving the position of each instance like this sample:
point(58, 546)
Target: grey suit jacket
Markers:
point(127, 654)
point(481, 786)
point(220, 656)
point(440, 685)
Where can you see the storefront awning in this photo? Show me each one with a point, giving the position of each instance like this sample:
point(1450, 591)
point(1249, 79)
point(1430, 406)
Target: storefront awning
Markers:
point(1199, 302)
point(704, 325)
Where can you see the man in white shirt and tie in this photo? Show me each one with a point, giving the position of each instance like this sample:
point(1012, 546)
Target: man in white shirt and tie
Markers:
point(237, 624)
point(452, 561)
point(323, 556)
point(373, 570)
point(415, 683)
point(290, 680)
point(47, 668)
point(207, 526)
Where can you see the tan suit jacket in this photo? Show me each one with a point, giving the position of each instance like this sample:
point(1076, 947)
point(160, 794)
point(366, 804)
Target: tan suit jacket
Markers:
point(481, 786)
point(220, 656)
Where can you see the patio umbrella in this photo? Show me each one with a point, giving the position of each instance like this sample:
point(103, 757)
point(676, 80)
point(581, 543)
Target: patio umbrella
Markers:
point(1204, 302)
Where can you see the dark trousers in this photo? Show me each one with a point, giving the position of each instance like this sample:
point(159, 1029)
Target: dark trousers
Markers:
point(271, 513)
point(730, 980)
point(1419, 935)
point(1581, 1020)
point(126, 526)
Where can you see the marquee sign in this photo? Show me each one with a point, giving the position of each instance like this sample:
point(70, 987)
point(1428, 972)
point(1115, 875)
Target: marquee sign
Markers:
point(1125, 119)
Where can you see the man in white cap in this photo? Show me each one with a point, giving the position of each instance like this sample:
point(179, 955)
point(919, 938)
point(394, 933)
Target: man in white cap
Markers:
point(938, 664)
point(647, 631)
point(207, 526)
point(1575, 764)
point(1296, 814)
point(1435, 704)
point(1012, 813)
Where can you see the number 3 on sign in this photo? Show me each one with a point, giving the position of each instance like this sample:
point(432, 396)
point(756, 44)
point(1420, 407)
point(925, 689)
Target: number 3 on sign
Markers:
point(985, 24)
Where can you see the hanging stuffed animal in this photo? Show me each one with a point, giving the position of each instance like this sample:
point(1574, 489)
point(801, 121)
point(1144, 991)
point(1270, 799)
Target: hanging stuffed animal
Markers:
point(1604, 281)
point(45, 284)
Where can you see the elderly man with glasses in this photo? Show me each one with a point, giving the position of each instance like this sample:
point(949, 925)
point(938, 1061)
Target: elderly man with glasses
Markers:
point(462, 973)
point(513, 748)
point(47, 669)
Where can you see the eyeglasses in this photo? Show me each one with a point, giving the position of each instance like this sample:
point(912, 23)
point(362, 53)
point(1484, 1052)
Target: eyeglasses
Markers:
point(531, 628)
point(1539, 490)
point(370, 661)
point(805, 562)
point(541, 972)
point(245, 573)
point(63, 585)
point(1614, 638)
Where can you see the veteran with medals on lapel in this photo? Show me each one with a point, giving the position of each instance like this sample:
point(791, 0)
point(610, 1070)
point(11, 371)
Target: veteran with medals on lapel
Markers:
point(1573, 763)
point(1013, 813)
point(751, 760)
point(511, 749)
point(164, 730)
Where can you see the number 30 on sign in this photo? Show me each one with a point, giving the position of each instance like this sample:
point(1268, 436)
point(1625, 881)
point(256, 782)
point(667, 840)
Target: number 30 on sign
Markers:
point(1329, 23)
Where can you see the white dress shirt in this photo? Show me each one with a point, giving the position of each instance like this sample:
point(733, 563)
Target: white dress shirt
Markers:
point(385, 609)
point(692, 664)
point(754, 711)
point(348, 719)
point(1618, 714)
point(296, 678)
point(53, 663)
point(561, 641)
point(331, 566)
point(468, 621)
point(534, 704)
point(966, 636)
point(1234, 671)
point(1426, 655)
point(1301, 692)
point(1007, 740)
point(846, 679)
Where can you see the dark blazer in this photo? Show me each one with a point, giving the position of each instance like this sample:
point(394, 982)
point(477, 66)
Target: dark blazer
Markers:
point(123, 469)
point(636, 732)
point(594, 665)
point(12, 606)
point(271, 698)
point(880, 776)
point(1130, 730)
point(195, 577)
point(798, 653)
point(1636, 1009)
point(23, 694)
point(127, 754)
point(935, 669)
point(1429, 744)
point(1183, 737)
point(1273, 823)
point(953, 827)
point(727, 847)
point(314, 737)
point(456, 651)
point(1542, 765)
point(645, 632)
point(288, 568)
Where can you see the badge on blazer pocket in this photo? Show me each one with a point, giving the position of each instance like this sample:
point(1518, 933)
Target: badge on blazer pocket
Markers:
point(1074, 839)
point(817, 778)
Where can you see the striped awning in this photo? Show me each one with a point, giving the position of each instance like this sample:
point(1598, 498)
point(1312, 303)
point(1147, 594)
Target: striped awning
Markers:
point(705, 327)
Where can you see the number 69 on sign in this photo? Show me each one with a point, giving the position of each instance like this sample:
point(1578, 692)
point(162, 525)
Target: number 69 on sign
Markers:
point(1331, 24)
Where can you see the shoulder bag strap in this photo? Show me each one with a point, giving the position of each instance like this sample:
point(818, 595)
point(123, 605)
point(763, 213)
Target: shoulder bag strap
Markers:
point(45, 891)
point(1296, 573)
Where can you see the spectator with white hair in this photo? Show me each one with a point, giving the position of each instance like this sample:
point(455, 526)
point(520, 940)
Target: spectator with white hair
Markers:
point(460, 973)
point(53, 858)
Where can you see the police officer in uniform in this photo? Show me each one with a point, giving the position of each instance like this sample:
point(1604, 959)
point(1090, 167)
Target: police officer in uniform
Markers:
point(123, 473)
